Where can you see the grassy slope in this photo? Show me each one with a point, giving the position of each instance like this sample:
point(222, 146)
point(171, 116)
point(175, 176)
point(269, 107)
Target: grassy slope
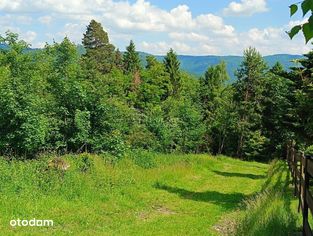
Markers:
point(181, 195)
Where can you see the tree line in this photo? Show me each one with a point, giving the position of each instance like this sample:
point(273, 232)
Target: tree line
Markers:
point(105, 101)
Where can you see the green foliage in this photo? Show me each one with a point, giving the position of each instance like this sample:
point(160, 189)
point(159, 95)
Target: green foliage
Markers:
point(248, 96)
point(58, 101)
point(100, 54)
point(309, 150)
point(161, 128)
point(300, 79)
point(83, 127)
point(293, 9)
point(172, 65)
point(112, 121)
point(151, 61)
point(306, 28)
point(254, 145)
point(131, 59)
point(277, 114)
point(23, 121)
point(155, 87)
point(215, 100)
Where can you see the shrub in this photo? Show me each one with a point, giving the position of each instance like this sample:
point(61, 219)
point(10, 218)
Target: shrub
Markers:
point(143, 158)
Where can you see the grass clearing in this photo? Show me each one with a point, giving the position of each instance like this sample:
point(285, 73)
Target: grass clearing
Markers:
point(168, 195)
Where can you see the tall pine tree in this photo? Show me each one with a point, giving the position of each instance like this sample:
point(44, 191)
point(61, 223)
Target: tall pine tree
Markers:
point(131, 59)
point(100, 53)
point(172, 65)
point(248, 95)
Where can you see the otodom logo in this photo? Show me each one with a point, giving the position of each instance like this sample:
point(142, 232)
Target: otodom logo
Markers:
point(33, 223)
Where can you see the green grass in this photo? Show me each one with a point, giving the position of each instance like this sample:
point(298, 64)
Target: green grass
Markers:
point(273, 211)
point(141, 195)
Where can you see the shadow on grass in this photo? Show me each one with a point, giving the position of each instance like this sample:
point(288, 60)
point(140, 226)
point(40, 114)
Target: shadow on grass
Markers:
point(272, 207)
point(226, 200)
point(278, 183)
point(241, 175)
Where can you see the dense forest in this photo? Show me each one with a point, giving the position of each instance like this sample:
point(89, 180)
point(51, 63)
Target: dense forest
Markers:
point(106, 101)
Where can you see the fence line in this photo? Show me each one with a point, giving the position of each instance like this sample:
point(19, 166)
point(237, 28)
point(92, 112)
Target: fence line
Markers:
point(301, 168)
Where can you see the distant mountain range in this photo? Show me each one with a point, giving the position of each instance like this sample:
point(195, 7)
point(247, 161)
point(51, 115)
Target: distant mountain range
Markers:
point(197, 65)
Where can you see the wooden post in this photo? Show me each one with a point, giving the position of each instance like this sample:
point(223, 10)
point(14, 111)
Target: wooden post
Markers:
point(305, 204)
point(294, 164)
point(301, 181)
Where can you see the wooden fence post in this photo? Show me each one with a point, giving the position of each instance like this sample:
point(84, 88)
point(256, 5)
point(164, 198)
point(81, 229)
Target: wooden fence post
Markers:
point(294, 167)
point(301, 181)
point(305, 212)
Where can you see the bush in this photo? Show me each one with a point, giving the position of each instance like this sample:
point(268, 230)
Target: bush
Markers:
point(309, 150)
point(112, 143)
point(143, 158)
point(255, 145)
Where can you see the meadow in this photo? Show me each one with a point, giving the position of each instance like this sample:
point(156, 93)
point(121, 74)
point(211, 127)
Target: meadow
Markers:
point(148, 194)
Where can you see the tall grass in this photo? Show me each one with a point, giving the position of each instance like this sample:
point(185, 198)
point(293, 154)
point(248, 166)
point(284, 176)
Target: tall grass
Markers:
point(141, 194)
point(272, 212)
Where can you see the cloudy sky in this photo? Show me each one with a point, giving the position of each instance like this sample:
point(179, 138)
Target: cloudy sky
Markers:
point(190, 27)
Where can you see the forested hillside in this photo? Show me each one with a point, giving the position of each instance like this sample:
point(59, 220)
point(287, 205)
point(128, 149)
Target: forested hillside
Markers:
point(55, 100)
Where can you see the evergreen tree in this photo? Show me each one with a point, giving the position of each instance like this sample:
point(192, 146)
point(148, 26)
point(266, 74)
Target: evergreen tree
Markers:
point(131, 59)
point(172, 65)
point(118, 59)
point(100, 54)
point(215, 100)
point(249, 91)
point(211, 86)
point(151, 61)
point(277, 115)
point(155, 85)
point(301, 98)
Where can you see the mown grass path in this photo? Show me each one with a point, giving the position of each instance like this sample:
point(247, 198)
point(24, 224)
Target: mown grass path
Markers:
point(179, 195)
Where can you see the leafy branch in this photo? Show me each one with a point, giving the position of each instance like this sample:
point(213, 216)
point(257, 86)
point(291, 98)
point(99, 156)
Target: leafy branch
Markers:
point(307, 27)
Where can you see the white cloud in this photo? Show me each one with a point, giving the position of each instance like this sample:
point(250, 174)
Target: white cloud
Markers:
point(246, 8)
point(26, 20)
point(46, 20)
point(72, 31)
point(274, 40)
point(58, 6)
point(29, 36)
point(142, 16)
point(10, 19)
point(161, 48)
point(192, 37)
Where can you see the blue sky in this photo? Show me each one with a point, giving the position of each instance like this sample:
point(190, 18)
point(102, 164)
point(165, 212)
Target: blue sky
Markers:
point(199, 27)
